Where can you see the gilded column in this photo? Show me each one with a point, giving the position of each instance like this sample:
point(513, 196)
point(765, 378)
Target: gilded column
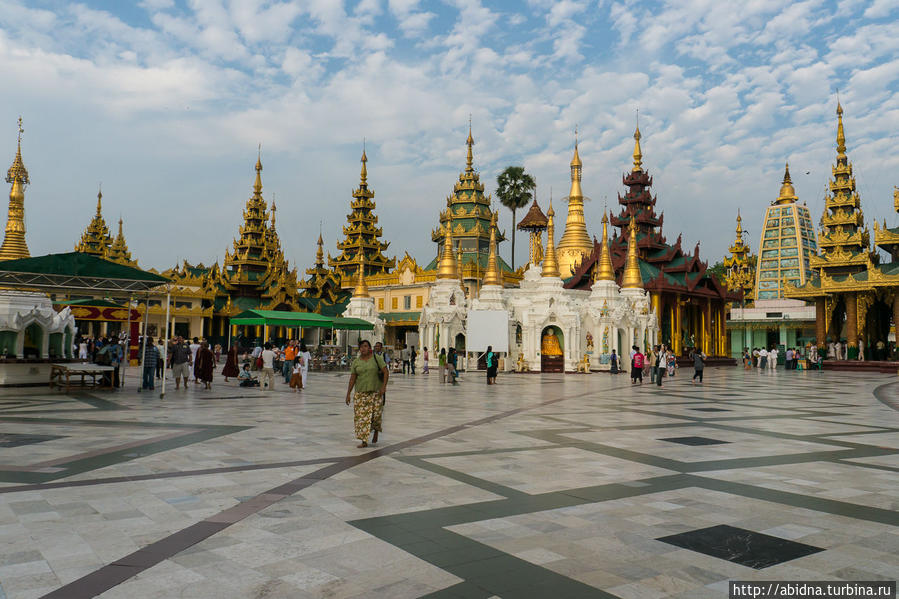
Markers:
point(678, 330)
point(821, 315)
point(656, 300)
point(852, 320)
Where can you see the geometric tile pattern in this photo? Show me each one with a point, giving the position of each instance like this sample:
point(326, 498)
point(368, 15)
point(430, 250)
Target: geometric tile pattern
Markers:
point(543, 485)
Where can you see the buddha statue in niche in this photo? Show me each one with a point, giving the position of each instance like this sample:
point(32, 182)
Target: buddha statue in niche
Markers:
point(550, 344)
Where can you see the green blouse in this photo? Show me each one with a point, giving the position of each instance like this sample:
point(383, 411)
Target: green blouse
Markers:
point(366, 372)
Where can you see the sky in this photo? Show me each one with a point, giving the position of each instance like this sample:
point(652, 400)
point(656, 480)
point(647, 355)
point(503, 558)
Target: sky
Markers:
point(165, 102)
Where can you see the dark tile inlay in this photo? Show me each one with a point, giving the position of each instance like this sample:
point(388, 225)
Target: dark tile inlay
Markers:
point(709, 410)
point(741, 546)
point(693, 440)
point(16, 440)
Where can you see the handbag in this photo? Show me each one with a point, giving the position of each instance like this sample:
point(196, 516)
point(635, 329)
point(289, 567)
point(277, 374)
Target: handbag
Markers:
point(259, 363)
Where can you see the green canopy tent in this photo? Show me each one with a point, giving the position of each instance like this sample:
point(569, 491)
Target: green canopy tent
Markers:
point(277, 318)
point(80, 272)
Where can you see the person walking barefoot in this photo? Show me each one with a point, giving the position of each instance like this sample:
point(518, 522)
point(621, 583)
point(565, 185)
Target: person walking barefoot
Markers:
point(368, 378)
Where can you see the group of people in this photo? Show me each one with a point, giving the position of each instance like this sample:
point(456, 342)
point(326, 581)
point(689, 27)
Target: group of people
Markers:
point(186, 359)
point(766, 359)
point(292, 361)
point(657, 363)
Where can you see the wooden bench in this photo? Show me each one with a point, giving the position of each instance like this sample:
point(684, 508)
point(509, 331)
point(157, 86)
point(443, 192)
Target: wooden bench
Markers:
point(61, 375)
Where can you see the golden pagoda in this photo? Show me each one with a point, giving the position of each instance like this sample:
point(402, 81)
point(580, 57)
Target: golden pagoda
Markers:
point(469, 210)
point(14, 246)
point(534, 222)
point(493, 276)
point(855, 296)
point(738, 267)
point(322, 287)
point(631, 279)
point(96, 240)
point(362, 237)
point(448, 267)
point(575, 244)
point(118, 251)
point(604, 270)
point(550, 262)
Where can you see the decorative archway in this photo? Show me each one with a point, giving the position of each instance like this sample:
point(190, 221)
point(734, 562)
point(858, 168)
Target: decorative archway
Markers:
point(552, 349)
point(33, 341)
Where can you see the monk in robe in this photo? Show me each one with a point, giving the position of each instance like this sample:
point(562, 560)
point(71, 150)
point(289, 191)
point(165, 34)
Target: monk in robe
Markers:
point(205, 365)
point(230, 368)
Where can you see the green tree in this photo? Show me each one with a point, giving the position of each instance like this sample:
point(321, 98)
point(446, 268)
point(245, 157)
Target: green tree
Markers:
point(513, 188)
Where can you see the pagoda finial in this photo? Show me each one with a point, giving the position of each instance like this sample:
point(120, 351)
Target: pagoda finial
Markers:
point(739, 239)
point(274, 209)
point(493, 276)
point(320, 253)
point(550, 263)
point(469, 163)
point(603, 270)
point(100, 200)
point(363, 175)
point(631, 278)
point(361, 288)
point(787, 192)
point(841, 136)
point(638, 153)
point(257, 185)
point(447, 267)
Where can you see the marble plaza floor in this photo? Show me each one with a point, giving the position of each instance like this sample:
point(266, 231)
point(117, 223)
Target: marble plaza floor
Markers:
point(541, 486)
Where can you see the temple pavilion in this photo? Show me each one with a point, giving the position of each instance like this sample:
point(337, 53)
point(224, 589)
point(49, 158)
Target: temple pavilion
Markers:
point(855, 296)
point(689, 301)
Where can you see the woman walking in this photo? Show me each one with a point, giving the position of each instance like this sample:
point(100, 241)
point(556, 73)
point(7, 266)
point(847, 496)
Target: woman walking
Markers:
point(660, 364)
point(698, 364)
point(368, 376)
point(491, 366)
point(424, 364)
point(442, 364)
point(305, 361)
point(637, 367)
point(230, 368)
point(205, 365)
point(613, 362)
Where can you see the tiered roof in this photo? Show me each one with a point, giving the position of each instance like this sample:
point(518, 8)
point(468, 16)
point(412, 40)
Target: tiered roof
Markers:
point(738, 268)
point(469, 213)
point(362, 236)
point(14, 246)
point(322, 288)
point(843, 237)
point(118, 251)
point(663, 267)
point(96, 239)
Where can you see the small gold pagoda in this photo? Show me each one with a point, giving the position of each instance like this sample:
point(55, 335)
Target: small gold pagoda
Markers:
point(575, 244)
point(738, 268)
point(96, 239)
point(14, 246)
point(118, 251)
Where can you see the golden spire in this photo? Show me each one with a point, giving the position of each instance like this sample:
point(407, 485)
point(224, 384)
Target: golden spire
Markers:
point(638, 153)
point(96, 240)
point(493, 276)
point(363, 176)
point(118, 251)
point(320, 253)
point(274, 209)
point(841, 137)
point(14, 246)
point(361, 288)
point(603, 270)
point(739, 238)
point(257, 185)
point(100, 202)
point(447, 267)
point(469, 162)
point(459, 255)
point(787, 193)
point(575, 243)
point(550, 264)
point(631, 278)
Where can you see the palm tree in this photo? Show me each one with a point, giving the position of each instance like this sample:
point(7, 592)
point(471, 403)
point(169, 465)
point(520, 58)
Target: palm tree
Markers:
point(513, 188)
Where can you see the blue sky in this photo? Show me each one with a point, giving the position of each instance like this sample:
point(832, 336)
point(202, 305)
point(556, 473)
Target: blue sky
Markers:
point(165, 102)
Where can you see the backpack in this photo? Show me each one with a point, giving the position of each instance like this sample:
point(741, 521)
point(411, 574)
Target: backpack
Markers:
point(638, 360)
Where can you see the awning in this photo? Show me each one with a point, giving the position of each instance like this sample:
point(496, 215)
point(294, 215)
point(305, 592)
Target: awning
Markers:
point(352, 324)
point(282, 319)
point(76, 271)
point(92, 303)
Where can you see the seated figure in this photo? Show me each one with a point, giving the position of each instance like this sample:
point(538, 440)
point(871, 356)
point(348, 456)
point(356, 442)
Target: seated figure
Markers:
point(550, 345)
